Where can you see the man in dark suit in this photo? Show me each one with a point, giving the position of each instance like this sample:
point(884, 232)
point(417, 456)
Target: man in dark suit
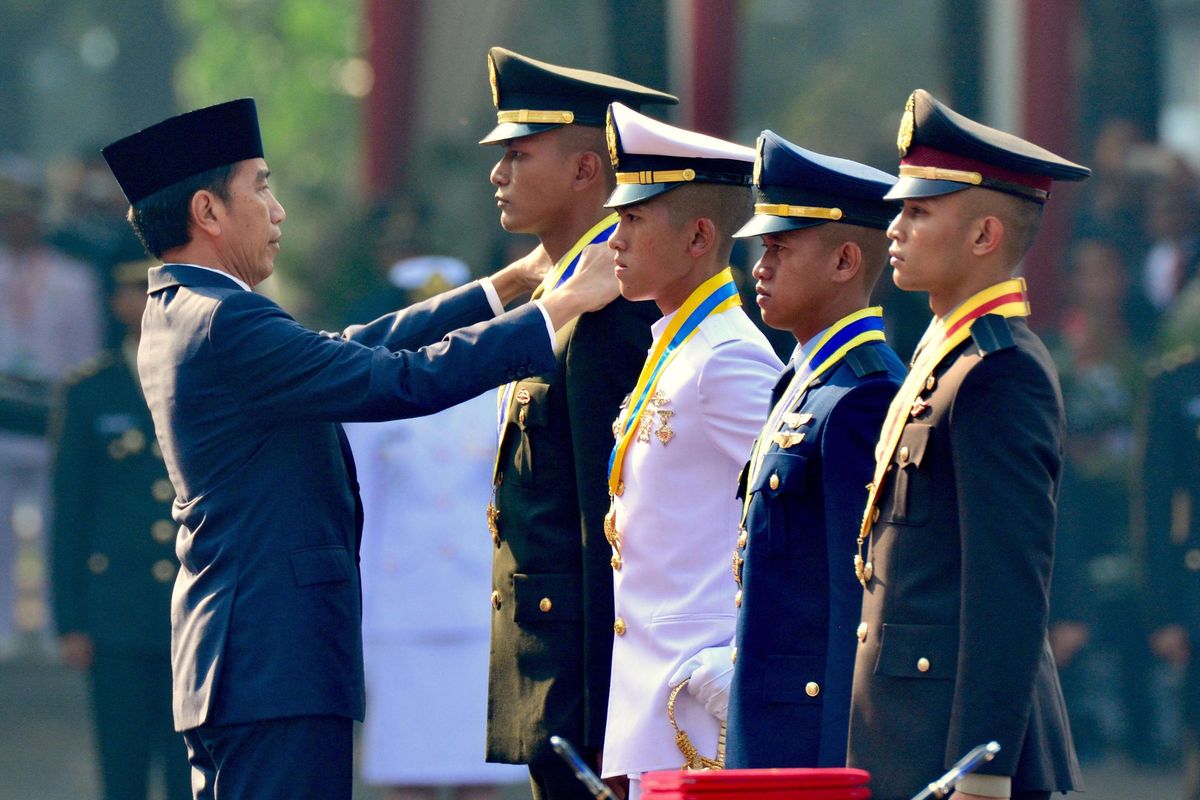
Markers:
point(266, 637)
point(821, 221)
point(958, 534)
point(551, 581)
point(113, 558)
point(1169, 500)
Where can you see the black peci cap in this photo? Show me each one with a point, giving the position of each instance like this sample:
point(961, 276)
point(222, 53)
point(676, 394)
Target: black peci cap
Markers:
point(185, 145)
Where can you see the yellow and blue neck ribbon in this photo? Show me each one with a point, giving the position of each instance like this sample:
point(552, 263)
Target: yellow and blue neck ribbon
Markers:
point(839, 339)
point(565, 268)
point(715, 296)
point(559, 274)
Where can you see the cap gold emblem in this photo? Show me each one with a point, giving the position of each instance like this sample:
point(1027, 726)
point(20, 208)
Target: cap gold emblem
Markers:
point(907, 121)
point(610, 134)
point(495, 83)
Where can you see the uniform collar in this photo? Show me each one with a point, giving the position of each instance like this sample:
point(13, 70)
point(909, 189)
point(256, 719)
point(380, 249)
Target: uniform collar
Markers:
point(191, 275)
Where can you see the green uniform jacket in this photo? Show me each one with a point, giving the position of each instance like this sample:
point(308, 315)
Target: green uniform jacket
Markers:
point(551, 650)
point(113, 541)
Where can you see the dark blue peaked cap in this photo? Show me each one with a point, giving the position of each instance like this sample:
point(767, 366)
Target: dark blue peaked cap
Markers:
point(798, 188)
point(185, 145)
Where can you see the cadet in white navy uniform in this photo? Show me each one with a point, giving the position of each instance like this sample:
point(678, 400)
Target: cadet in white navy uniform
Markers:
point(682, 436)
point(822, 221)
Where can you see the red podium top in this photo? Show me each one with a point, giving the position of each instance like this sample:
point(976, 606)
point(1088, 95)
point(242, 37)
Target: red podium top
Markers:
point(777, 784)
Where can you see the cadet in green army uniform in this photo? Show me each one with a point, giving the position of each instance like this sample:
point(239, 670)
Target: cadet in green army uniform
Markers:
point(1169, 501)
point(113, 559)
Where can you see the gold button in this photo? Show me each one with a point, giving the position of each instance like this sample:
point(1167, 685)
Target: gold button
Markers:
point(98, 563)
point(812, 689)
point(922, 664)
point(496, 600)
point(774, 481)
point(1191, 560)
point(545, 605)
point(616, 562)
point(930, 382)
point(875, 514)
point(868, 570)
point(619, 627)
point(743, 537)
point(733, 655)
point(162, 490)
point(163, 530)
point(862, 631)
point(904, 454)
point(737, 599)
point(163, 570)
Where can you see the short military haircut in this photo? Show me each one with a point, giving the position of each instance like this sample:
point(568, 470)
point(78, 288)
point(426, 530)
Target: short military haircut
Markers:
point(1022, 219)
point(871, 241)
point(162, 221)
point(727, 206)
point(588, 138)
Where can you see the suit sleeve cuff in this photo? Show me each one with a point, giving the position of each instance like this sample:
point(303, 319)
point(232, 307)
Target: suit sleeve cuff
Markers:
point(545, 316)
point(492, 296)
point(986, 785)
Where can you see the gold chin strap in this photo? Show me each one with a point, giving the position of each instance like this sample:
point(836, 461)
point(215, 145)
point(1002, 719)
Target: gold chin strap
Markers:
point(783, 210)
point(530, 115)
point(657, 176)
point(939, 174)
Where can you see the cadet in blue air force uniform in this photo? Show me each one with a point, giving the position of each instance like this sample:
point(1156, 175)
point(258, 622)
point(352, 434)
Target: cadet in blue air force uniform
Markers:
point(822, 221)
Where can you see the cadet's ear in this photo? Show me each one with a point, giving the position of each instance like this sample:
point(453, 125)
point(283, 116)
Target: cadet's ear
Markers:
point(588, 168)
point(849, 261)
point(202, 212)
point(704, 237)
point(989, 235)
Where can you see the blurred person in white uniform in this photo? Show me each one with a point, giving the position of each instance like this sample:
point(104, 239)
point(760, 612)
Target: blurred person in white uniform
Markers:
point(426, 562)
point(681, 439)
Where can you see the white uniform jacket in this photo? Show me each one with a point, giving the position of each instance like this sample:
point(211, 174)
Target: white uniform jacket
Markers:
point(677, 519)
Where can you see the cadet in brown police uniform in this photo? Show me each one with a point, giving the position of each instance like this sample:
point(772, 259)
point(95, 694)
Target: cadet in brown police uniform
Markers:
point(958, 538)
point(113, 559)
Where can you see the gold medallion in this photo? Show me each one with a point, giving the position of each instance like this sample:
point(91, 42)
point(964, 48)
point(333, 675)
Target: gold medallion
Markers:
point(523, 396)
point(907, 123)
point(494, 81)
point(664, 433)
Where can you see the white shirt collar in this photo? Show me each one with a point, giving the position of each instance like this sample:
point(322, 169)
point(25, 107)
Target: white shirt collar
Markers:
point(233, 278)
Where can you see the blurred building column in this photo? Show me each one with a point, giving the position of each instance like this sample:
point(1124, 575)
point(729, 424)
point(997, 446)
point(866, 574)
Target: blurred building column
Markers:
point(393, 33)
point(705, 41)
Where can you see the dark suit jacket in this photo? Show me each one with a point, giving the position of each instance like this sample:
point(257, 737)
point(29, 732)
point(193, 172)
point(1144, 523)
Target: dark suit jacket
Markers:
point(799, 602)
point(955, 651)
point(1170, 501)
point(112, 537)
point(550, 668)
point(266, 611)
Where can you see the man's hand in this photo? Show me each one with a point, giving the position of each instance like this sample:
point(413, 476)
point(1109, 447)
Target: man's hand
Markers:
point(1067, 638)
point(76, 650)
point(522, 276)
point(593, 286)
point(709, 674)
point(1170, 643)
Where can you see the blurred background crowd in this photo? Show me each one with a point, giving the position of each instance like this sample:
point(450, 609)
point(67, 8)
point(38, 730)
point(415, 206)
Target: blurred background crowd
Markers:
point(371, 110)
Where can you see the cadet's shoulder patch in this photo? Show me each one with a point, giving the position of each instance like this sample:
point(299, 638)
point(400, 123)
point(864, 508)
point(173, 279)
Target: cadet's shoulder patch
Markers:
point(992, 333)
point(865, 361)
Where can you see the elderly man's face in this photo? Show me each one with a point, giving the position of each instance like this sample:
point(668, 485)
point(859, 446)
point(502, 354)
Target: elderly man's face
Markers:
point(250, 223)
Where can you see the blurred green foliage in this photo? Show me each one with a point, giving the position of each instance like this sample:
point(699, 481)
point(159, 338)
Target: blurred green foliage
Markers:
point(301, 60)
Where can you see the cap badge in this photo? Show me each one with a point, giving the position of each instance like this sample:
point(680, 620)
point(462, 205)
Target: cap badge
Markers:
point(907, 121)
point(610, 134)
point(492, 79)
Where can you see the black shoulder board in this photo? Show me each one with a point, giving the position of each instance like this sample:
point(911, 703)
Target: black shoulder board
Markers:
point(992, 333)
point(865, 361)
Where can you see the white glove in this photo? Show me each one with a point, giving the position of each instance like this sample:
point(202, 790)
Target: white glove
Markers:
point(709, 674)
